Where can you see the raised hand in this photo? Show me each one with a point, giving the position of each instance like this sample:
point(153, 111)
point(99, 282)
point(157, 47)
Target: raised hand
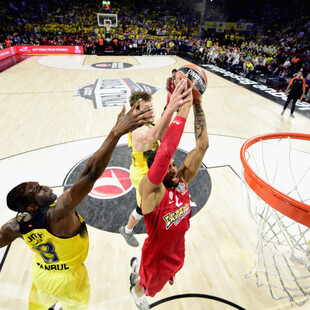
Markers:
point(133, 118)
point(181, 95)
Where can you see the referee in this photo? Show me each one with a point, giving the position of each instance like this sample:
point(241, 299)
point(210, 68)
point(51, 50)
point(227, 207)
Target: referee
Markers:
point(297, 87)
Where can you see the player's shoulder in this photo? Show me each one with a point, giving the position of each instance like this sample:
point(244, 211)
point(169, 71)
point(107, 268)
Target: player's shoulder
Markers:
point(11, 226)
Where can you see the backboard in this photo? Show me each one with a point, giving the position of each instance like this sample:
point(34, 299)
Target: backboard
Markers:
point(107, 19)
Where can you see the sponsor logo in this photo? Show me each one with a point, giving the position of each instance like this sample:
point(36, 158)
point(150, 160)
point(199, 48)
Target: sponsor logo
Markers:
point(177, 216)
point(24, 49)
point(113, 198)
point(194, 75)
point(111, 93)
point(112, 65)
point(37, 237)
point(53, 267)
point(77, 50)
point(113, 183)
point(4, 53)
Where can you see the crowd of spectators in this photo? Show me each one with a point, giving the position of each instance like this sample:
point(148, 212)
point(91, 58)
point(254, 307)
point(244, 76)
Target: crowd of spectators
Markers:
point(272, 51)
point(274, 69)
point(25, 22)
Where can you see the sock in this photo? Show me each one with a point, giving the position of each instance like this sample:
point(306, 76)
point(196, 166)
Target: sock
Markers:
point(128, 231)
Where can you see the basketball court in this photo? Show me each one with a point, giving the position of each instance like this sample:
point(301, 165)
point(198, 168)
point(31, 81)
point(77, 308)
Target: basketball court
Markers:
point(57, 110)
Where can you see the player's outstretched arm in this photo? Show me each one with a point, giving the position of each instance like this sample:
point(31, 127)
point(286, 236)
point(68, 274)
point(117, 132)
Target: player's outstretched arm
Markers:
point(100, 159)
point(194, 158)
point(151, 187)
point(9, 232)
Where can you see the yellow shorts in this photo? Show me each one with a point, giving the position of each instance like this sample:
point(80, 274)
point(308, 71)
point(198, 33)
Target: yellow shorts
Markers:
point(70, 288)
point(135, 178)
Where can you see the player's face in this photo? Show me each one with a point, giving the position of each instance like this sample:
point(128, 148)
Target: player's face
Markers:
point(146, 105)
point(172, 178)
point(41, 194)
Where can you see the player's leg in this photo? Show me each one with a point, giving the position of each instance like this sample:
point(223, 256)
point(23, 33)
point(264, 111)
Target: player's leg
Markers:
point(39, 300)
point(293, 106)
point(77, 297)
point(127, 231)
point(135, 289)
point(289, 98)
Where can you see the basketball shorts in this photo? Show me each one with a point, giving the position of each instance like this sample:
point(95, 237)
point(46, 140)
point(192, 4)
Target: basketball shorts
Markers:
point(70, 288)
point(153, 282)
point(135, 178)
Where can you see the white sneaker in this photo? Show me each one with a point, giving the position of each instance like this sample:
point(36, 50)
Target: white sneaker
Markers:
point(140, 302)
point(135, 265)
point(134, 276)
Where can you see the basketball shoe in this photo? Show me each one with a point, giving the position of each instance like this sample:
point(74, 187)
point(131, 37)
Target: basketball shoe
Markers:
point(130, 238)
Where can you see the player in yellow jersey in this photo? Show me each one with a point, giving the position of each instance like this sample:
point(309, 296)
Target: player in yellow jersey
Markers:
point(55, 232)
point(140, 140)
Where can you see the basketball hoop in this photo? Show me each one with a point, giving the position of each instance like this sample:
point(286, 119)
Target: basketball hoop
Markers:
point(276, 183)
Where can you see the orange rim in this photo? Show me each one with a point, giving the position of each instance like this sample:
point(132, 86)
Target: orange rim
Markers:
point(296, 210)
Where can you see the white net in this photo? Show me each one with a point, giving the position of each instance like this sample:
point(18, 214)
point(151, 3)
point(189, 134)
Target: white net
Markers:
point(282, 260)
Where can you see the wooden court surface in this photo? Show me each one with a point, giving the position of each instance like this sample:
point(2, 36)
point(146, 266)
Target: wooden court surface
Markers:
point(38, 109)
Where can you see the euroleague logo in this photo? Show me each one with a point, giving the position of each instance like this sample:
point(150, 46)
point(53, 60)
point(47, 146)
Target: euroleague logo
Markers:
point(113, 183)
point(113, 198)
point(112, 65)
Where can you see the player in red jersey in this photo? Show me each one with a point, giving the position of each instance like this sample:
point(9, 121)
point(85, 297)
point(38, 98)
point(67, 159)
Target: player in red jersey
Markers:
point(170, 85)
point(166, 206)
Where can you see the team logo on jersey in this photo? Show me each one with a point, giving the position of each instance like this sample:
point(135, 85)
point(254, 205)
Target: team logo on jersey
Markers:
point(113, 198)
point(181, 188)
point(111, 93)
point(177, 216)
point(113, 183)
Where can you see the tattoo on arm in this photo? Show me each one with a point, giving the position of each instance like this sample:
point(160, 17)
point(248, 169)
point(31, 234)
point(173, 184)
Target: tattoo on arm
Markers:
point(200, 121)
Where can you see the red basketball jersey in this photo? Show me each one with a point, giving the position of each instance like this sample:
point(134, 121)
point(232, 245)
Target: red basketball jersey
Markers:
point(163, 251)
point(170, 87)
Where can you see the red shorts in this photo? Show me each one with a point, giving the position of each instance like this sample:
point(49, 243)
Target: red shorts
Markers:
point(153, 282)
point(168, 99)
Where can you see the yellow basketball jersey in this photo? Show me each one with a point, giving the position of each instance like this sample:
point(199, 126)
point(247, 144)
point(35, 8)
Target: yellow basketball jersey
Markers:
point(138, 167)
point(54, 253)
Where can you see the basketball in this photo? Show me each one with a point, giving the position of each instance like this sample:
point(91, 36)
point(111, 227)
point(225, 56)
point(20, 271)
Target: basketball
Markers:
point(194, 73)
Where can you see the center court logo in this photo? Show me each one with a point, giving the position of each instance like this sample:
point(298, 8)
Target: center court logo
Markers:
point(111, 93)
point(113, 183)
point(113, 197)
point(112, 65)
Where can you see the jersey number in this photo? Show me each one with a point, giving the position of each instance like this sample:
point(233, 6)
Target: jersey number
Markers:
point(47, 251)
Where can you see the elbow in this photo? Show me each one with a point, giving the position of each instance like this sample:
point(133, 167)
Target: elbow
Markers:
point(204, 145)
point(92, 173)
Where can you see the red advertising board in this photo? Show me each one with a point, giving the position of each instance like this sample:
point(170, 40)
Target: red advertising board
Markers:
point(47, 49)
point(40, 49)
point(6, 52)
